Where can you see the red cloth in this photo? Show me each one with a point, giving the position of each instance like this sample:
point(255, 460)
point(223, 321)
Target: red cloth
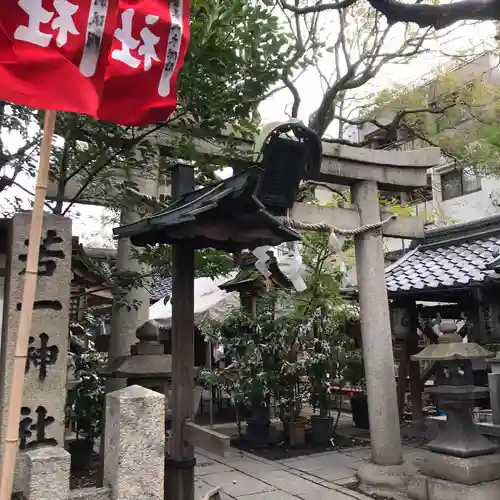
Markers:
point(115, 60)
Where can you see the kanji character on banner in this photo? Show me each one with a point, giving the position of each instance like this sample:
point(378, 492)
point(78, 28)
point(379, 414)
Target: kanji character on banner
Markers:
point(115, 60)
point(146, 55)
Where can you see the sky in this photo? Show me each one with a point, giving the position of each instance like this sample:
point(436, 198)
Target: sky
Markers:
point(88, 225)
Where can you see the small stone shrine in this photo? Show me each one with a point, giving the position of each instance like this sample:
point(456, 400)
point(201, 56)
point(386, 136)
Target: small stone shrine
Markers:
point(461, 463)
point(42, 413)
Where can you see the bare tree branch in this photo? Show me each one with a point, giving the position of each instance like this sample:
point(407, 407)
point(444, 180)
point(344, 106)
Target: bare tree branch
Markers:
point(438, 16)
point(318, 7)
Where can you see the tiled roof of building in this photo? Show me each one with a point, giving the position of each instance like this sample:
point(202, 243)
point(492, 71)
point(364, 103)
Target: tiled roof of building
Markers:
point(453, 256)
point(160, 287)
point(101, 261)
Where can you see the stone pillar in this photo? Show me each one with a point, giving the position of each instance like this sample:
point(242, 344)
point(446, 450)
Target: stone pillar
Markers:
point(48, 471)
point(44, 397)
point(125, 320)
point(494, 385)
point(135, 444)
point(130, 310)
point(376, 332)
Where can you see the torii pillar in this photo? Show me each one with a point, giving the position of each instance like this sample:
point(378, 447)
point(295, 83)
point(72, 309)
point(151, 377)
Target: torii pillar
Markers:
point(365, 171)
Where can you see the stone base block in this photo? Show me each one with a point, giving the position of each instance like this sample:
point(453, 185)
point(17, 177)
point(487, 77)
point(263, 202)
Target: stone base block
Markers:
point(20, 473)
point(90, 494)
point(466, 471)
point(213, 494)
point(48, 474)
point(19, 483)
point(421, 487)
point(386, 480)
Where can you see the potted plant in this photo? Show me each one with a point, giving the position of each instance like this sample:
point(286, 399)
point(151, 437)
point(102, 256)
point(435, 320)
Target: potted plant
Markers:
point(318, 373)
point(325, 363)
point(85, 406)
point(292, 395)
point(254, 351)
point(354, 375)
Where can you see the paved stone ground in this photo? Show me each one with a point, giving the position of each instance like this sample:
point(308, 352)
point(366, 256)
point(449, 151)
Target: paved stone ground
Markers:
point(323, 476)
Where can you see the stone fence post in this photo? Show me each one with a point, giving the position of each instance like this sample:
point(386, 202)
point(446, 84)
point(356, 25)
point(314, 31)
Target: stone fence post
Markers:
point(135, 444)
point(47, 475)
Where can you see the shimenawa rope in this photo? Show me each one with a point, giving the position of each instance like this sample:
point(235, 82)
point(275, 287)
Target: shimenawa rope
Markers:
point(323, 227)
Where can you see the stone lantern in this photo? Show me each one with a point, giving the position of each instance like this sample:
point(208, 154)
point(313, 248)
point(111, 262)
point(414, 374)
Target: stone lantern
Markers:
point(460, 453)
point(147, 365)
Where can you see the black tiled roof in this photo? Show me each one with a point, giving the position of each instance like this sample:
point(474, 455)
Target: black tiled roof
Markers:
point(102, 261)
point(160, 287)
point(450, 257)
point(227, 216)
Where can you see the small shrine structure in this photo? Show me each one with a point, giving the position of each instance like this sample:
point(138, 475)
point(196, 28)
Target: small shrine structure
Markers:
point(453, 273)
point(242, 212)
point(251, 283)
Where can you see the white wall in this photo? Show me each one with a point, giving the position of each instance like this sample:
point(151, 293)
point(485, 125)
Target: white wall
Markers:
point(464, 208)
point(474, 205)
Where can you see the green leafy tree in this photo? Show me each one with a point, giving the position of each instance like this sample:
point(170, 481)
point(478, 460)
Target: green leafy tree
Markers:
point(256, 349)
point(86, 400)
point(237, 52)
point(324, 276)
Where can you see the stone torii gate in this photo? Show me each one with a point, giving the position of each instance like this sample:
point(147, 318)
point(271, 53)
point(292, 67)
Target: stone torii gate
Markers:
point(365, 171)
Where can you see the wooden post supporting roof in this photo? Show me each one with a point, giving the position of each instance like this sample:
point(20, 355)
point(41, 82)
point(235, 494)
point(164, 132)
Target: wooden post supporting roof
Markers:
point(179, 465)
point(417, 414)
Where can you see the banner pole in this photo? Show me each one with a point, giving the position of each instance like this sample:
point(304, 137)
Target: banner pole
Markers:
point(11, 438)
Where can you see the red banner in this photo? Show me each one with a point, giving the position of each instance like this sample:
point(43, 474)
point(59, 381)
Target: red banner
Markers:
point(115, 60)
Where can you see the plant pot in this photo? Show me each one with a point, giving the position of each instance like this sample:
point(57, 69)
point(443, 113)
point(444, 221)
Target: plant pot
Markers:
point(258, 431)
point(321, 429)
point(260, 412)
point(359, 408)
point(295, 431)
point(102, 343)
point(81, 451)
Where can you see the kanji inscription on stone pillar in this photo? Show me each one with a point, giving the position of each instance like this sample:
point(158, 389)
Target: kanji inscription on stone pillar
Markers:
point(41, 421)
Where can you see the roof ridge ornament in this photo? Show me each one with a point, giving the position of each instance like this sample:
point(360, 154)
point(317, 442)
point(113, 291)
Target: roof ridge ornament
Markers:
point(290, 152)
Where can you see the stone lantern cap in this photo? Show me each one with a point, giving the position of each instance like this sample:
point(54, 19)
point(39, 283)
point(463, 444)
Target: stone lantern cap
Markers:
point(450, 347)
point(495, 363)
point(147, 359)
point(496, 359)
